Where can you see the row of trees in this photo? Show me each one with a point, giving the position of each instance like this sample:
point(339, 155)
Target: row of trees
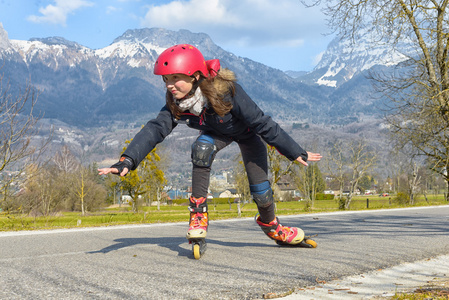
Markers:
point(349, 167)
point(62, 184)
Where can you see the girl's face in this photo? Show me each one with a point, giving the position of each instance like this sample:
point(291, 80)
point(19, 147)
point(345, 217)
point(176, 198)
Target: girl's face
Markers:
point(178, 84)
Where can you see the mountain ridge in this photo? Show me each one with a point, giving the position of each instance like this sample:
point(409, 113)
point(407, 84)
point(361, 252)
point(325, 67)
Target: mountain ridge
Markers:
point(85, 87)
point(343, 59)
point(98, 98)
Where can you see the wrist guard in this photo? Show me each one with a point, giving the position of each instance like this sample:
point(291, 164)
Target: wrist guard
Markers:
point(124, 162)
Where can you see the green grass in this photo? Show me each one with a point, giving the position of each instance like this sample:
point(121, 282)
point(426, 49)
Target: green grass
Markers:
point(420, 296)
point(435, 290)
point(179, 213)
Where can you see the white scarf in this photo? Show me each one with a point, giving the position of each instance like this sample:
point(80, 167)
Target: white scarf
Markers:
point(194, 104)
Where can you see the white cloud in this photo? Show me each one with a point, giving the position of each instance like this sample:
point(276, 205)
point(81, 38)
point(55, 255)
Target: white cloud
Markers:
point(246, 22)
point(187, 13)
point(57, 13)
point(111, 9)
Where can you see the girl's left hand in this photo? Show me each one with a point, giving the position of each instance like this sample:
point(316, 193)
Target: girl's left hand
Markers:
point(311, 157)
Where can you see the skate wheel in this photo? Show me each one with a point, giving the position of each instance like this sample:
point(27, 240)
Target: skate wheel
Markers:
point(311, 243)
point(196, 251)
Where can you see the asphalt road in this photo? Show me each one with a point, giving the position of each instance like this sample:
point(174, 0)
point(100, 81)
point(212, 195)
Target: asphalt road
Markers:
point(155, 261)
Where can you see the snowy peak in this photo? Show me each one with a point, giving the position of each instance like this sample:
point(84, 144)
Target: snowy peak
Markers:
point(4, 40)
point(131, 46)
point(53, 55)
point(163, 38)
point(141, 47)
point(144, 35)
point(138, 48)
point(343, 60)
point(361, 57)
point(136, 54)
point(56, 40)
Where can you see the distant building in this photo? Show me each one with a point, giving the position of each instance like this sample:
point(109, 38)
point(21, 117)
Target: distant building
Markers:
point(229, 193)
point(220, 181)
point(285, 189)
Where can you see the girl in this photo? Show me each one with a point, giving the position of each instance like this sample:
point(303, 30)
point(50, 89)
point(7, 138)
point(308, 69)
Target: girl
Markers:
point(207, 98)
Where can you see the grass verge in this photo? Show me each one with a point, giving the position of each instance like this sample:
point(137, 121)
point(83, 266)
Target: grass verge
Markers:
point(178, 213)
point(437, 289)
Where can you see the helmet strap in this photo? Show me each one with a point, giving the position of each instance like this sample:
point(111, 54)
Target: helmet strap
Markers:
point(196, 83)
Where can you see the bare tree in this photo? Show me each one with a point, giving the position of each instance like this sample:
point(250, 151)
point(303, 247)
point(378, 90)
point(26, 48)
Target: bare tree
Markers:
point(65, 160)
point(419, 90)
point(414, 182)
point(82, 189)
point(67, 163)
point(18, 126)
point(309, 181)
point(397, 167)
point(361, 160)
point(351, 161)
point(242, 184)
point(42, 193)
point(279, 166)
point(86, 193)
point(336, 165)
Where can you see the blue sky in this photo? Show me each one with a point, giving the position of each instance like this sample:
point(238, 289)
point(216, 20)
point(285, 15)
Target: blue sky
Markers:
point(279, 33)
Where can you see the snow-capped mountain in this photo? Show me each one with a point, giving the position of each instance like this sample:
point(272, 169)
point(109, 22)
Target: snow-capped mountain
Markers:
point(84, 86)
point(87, 87)
point(55, 52)
point(4, 40)
point(343, 60)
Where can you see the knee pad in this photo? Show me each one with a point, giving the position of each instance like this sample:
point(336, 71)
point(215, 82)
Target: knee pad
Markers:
point(262, 194)
point(203, 151)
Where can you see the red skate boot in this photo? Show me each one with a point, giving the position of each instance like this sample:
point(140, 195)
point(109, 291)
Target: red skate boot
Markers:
point(198, 225)
point(198, 218)
point(284, 235)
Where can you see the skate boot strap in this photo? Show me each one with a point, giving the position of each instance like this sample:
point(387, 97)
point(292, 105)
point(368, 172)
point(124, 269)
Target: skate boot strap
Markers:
point(271, 228)
point(198, 209)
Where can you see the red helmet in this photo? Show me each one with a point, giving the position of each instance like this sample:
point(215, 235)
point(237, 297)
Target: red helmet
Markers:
point(181, 59)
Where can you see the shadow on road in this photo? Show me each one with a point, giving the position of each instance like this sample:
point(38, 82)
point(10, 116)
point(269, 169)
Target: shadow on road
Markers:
point(174, 244)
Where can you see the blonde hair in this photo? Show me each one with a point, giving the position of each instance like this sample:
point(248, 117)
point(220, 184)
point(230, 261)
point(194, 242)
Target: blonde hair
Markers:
point(214, 89)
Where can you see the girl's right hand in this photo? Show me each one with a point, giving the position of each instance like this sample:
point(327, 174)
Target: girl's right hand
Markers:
point(121, 168)
point(104, 171)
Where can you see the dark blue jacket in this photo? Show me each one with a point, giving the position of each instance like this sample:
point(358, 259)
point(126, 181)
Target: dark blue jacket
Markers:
point(244, 120)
